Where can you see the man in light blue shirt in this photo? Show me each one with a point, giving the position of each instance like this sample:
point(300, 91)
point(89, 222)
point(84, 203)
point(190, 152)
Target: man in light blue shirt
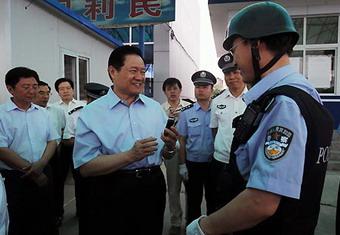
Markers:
point(281, 143)
point(120, 140)
point(27, 143)
point(197, 145)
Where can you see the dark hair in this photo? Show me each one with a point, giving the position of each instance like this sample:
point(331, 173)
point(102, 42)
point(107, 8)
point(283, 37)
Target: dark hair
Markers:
point(14, 75)
point(117, 57)
point(60, 80)
point(280, 43)
point(171, 82)
point(42, 83)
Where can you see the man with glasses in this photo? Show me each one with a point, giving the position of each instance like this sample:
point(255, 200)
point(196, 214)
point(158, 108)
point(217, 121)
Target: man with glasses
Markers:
point(281, 143)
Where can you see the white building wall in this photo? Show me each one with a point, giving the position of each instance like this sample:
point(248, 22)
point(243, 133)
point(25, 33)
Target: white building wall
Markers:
point(38, 37)
point(222, 13)
point(184, 46)
point(5, 45)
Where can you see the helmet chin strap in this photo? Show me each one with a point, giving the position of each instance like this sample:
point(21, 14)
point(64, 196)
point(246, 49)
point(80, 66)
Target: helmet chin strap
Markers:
point(256, 61)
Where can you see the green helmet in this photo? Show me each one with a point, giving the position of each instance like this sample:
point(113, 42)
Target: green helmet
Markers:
point(259, 20)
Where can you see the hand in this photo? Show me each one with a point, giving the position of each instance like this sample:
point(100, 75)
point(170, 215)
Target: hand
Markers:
point(40, 180)
point(173, 112)
point(169, 137)
point(34, 170)
point(194, 227)
point(183, 171)
point(143, 148)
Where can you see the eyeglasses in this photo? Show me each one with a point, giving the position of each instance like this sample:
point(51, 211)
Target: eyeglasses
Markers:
point(232, 50)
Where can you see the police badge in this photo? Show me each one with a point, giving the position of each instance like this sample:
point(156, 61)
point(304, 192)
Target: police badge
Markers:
point(277, 142)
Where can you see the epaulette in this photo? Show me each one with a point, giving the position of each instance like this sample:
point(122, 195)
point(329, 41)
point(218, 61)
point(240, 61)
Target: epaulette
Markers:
point(189, 100)
point(217, 94)
point(187, 107)
point(75, 109)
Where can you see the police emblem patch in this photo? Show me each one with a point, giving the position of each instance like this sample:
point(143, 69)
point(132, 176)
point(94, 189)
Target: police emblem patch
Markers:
point(221, 106)
point(193, 120)
point(277, 142)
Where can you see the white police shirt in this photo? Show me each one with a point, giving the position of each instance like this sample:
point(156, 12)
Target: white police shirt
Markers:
point(224, 108)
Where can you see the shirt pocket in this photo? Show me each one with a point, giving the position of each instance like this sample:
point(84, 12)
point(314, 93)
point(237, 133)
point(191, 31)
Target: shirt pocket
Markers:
point(194, 128)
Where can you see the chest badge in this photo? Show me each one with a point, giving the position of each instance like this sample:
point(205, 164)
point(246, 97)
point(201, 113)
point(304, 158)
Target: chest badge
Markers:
point(277, 142)
point(221, 106)
point(193, 120)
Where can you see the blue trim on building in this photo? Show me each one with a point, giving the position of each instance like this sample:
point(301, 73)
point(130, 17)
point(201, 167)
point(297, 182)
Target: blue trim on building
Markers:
point(83, 21)
point(229, 1)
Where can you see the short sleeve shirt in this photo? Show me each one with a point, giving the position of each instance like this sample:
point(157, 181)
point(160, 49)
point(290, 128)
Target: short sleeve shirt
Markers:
point(193, 124)
point(277, 170)
point(25, 132)
point(224, 108)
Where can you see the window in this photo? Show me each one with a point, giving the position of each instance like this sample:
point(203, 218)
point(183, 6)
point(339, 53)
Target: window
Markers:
point(315, 54)
point(76, 68)
point(130, 36)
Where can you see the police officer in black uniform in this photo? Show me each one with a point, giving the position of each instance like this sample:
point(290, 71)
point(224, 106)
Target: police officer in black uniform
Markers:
point(281, 143)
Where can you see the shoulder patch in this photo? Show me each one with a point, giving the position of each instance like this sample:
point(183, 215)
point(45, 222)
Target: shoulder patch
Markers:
point(75, 109)
point(193, 120)
point(217, 94)
point(187, 107)
point(221, 106)
point(277, 142)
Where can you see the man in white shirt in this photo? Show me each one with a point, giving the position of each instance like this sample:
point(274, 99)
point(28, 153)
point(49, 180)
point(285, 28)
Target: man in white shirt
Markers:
point(172, 89)
point(57, 116)
point(65, 89)
point(224, 108)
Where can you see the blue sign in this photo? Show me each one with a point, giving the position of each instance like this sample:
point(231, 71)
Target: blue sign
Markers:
point(123, 13)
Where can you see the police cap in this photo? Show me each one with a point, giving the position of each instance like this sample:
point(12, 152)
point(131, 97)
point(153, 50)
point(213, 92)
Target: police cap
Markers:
point(226, 63)
point(203, 77)
point(95, 90)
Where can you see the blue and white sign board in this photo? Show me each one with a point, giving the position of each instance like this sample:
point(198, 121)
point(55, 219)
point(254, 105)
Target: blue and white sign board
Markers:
point(123, 13)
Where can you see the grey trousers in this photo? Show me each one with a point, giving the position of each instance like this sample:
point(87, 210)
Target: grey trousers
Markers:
point(174, 182)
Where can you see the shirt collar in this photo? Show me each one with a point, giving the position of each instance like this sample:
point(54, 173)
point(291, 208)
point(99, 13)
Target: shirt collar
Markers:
point(181, 104)
point(267, 83)
point(113, 99)
point(228, 93)
point(72, 101)
point(197, 106)
point(12, 106)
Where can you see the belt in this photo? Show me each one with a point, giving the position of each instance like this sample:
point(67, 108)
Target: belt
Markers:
point(139, 172)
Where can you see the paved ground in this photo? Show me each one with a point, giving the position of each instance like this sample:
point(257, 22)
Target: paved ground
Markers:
point(326, 224)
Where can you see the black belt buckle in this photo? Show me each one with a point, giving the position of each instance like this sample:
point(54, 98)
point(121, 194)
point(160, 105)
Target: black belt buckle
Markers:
point(142, 172)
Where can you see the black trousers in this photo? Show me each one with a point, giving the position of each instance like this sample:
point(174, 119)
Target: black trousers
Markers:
point(221, 181)
point(61, 163)
point(337, 229)
point(198, 179)
point(30, 207)
point(123, 203)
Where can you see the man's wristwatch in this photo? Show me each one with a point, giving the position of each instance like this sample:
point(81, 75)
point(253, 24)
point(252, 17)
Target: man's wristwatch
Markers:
point(170, 153)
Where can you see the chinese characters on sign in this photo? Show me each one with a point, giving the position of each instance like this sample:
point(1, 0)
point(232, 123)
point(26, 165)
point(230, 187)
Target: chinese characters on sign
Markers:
point(116, 13)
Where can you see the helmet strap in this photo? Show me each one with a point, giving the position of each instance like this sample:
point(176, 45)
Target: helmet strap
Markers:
point(256, 61)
